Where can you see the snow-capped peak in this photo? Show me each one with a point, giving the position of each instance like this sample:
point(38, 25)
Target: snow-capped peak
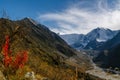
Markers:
point(100, 34)
point(97, 35)
point(102, 28)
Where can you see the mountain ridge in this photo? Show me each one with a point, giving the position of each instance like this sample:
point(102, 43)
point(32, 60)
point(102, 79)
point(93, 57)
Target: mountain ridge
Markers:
point(97, 36)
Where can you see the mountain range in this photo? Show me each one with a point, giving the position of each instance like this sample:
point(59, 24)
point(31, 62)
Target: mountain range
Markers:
point(103, 45)
point(49, 56)
point(92, 40)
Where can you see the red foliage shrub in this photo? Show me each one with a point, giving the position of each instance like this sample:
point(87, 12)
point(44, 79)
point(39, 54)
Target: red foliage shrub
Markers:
point(14, 62)
point(6, 52)
point(20, 59)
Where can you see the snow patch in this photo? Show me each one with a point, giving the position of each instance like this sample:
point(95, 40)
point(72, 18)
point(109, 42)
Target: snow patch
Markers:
point(101, 40)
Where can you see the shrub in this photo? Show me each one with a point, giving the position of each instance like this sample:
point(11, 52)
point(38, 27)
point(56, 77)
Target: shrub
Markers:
point(12, 63)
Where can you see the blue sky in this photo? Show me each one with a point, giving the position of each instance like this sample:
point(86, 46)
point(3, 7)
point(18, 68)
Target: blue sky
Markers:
point(31, 8)
point(66, 16)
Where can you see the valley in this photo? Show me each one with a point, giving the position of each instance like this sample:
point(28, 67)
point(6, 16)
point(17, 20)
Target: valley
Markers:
point(91, 63)
point(102, 49)
point(59, 39)
point(101, 73)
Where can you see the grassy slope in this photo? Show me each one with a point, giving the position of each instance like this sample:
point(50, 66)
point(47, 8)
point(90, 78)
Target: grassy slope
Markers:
point(47, 51)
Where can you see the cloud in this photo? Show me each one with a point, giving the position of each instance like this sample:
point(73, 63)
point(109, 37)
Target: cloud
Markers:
point(77, 19)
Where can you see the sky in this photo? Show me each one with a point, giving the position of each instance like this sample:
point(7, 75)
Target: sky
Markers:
point(66, 16)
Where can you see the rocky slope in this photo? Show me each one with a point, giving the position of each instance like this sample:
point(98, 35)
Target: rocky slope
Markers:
point(110, 55)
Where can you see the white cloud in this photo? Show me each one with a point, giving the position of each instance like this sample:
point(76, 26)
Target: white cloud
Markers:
point(82, 20)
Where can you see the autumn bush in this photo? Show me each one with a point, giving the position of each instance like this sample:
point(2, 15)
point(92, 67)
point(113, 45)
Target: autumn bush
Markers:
point(10, 62)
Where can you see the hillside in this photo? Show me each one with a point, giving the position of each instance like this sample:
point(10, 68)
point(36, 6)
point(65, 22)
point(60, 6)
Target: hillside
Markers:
point(48, 55)
point(111, 43)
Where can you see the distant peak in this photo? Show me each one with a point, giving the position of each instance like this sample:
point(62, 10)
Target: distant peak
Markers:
point(102, 28)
